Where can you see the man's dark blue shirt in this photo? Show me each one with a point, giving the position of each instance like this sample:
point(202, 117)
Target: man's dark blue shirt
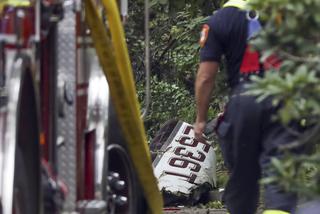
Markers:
point(227, 36)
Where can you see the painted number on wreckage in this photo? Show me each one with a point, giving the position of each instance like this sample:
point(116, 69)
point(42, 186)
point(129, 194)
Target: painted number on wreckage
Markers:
point(186, 162)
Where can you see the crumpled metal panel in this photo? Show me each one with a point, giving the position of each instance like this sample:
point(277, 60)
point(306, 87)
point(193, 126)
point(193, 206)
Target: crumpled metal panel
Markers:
point(67, 120)
point(185, 168)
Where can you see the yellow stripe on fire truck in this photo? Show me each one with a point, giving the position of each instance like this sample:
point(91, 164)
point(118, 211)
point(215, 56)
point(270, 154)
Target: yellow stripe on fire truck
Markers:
point(16, 3)
point(114, 60)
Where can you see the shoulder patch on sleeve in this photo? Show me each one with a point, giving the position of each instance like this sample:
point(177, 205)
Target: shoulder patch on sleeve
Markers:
point(204, 35)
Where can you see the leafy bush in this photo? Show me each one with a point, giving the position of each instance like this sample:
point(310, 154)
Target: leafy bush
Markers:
point(168, 101)
point(292, 32)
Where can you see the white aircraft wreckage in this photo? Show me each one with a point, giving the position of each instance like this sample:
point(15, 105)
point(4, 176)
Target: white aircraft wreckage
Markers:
point(185, 167)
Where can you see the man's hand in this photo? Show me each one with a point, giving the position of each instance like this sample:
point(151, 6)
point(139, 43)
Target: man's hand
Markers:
point(198, 128)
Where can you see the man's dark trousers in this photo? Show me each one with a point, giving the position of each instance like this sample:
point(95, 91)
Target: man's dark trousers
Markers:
point(249, 138)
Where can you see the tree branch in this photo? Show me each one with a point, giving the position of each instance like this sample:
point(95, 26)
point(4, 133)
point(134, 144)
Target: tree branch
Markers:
point(311, 137)
point(299, 58)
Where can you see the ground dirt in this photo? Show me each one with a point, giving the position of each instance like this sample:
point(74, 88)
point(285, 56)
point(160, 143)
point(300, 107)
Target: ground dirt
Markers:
point(193, 211)
point(175, 210)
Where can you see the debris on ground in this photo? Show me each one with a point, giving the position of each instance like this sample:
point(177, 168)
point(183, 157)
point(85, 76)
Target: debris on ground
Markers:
point(185, 167)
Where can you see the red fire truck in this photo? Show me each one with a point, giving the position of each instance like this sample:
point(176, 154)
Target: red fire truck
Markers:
point(70, 139)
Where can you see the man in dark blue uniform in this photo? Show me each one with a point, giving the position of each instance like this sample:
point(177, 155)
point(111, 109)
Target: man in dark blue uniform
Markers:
point(249, 138)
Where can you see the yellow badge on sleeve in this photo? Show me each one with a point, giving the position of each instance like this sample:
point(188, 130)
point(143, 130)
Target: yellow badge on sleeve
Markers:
point(204, 35)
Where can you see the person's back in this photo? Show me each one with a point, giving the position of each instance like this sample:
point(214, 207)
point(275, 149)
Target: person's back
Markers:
point(229, 27)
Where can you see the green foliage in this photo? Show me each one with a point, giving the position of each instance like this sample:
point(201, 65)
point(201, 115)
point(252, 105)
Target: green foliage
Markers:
point(174, 30)
point(292, 32)
point(175, 27)
point(221, 170)
point(206, 7)
point(299, 175)
point(168, 101)
point(213, 205)
point(298, 92)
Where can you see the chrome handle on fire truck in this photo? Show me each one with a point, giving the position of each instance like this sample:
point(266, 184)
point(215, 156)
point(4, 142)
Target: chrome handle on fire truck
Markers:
point(124, 10)
point(38, 17)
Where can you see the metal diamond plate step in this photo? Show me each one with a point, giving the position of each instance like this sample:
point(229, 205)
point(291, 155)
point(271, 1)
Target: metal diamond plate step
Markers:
point(67, 124)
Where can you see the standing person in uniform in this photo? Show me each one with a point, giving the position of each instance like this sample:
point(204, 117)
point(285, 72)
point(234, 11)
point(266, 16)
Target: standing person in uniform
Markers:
point(248, 137)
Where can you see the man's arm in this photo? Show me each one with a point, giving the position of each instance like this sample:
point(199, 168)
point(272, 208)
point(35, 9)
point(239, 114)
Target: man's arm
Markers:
point(204, 86)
